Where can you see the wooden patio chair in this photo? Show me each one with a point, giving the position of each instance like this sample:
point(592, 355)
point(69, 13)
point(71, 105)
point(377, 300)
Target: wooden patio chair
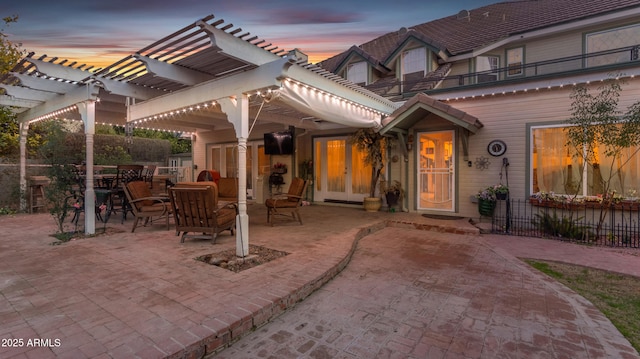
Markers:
point(287, 205)
point(144, 205)
point(195, 210)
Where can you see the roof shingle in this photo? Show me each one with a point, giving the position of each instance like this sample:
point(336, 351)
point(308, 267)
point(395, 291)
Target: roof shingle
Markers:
point(488, 24)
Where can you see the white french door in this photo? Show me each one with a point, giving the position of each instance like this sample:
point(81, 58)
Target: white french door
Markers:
point(436, 176)
point(340, 172)
point(224, 159)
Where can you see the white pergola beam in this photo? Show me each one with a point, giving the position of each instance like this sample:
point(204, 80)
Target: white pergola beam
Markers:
point(28, 94)
point(87, 92)
point(59, 71)
point(236, 47)
point(175, 73)
point(38, 83)
point(6, 100)
point(127, 89)
point(249, 81)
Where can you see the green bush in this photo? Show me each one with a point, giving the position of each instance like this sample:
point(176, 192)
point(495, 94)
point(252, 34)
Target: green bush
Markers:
point(564, 227)
point(111, 155)
point(115, 149)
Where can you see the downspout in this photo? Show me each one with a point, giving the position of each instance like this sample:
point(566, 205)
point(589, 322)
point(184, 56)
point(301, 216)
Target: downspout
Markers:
point(24, 130)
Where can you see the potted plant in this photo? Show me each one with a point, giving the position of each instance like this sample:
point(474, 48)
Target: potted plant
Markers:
point(486, 201)
point(372, 143)
point(501, 191)
point(393, 192)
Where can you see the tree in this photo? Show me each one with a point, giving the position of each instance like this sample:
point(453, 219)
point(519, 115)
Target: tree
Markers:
point(60, 193)
point(178, 144)
point(598, 128)
point(10, 54)
point(9, 130)
point(372, 143)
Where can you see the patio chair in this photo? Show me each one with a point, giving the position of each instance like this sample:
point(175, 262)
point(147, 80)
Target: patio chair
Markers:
point(124, 175)
point(148, 174)
point(195, 210)
point(287, 205)
point(144, 205)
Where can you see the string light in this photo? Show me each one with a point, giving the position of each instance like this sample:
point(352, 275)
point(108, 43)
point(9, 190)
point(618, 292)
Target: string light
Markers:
point(335, 98)
point(525, 90)
point(176, 112)
point(55, 114)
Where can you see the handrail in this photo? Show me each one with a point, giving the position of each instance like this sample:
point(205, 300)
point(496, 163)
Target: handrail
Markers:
point(562, 65)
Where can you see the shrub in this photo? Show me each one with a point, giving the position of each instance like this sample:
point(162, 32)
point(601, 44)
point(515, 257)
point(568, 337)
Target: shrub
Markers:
point(564, 227)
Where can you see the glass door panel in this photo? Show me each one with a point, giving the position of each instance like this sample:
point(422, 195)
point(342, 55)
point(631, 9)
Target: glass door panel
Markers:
point(340, 174)
point(436, 170)
point(231, 161)
point(336, 166)
point(215, 159)
point(224, 159)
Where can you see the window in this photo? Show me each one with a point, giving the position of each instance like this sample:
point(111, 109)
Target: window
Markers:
point(414, 64)
point(487, 68)
point(555, 169)
point(515, 61)
point(357, 73)
point(613, 39)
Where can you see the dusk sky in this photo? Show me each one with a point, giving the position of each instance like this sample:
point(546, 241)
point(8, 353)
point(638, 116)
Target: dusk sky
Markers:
point(102, 32)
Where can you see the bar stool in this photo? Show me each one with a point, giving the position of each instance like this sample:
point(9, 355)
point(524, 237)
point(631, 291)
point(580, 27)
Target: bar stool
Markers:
point(36, 192)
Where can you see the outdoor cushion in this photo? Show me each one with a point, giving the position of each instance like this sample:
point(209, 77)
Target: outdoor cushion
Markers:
point(140, 189)
point(228, 189)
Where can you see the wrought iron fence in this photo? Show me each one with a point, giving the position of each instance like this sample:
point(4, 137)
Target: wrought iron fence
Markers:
point(616, 226)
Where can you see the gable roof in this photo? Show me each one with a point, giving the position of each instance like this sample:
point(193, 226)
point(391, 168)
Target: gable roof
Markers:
point(421, 105)
point(355, 51)
point(459, 34)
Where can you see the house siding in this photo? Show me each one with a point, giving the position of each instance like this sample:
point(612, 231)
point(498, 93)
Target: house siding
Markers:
point(506, 117)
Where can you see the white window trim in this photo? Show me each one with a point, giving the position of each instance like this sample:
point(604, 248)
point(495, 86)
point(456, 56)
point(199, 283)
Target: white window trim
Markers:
point(421, 66)
point(520, 67)
point(358, 71)
point(494, 72)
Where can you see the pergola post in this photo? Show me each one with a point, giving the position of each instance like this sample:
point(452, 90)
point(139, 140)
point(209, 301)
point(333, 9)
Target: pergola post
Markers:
point(87, 111)
point(24, 130)
point(237, 110)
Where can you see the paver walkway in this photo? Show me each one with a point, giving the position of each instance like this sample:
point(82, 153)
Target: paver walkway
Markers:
point(143, 295)
point(416, 294)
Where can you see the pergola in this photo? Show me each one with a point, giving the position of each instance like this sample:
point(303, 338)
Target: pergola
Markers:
point(207, 76)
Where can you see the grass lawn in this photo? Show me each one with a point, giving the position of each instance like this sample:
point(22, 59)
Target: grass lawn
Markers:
point(616, 295)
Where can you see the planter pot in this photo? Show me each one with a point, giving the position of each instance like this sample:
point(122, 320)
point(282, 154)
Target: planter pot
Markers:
point(486, 208)
point(392, 198)
point(502, 196)
point(372, 204)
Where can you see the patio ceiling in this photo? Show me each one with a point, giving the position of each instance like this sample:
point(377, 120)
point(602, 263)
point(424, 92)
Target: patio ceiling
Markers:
point(175, 84)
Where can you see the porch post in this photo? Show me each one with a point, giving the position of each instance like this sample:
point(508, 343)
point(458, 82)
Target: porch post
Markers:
point(87, 110)
point(237, 110)
point(24, 129)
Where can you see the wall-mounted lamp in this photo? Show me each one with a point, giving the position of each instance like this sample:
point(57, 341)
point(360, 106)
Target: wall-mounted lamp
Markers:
point(409, 142)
